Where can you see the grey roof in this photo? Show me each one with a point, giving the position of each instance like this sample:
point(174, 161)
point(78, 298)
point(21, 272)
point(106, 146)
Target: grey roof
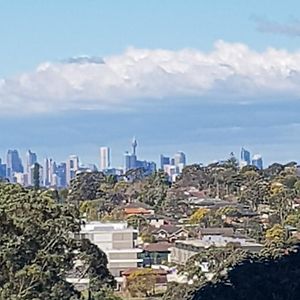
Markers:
point(137, 204)
point(228, 231)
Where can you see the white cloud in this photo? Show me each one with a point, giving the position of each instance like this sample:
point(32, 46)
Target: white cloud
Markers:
point(230, 71)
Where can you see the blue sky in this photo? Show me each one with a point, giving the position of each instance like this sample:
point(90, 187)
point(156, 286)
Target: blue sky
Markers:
point(203, 77)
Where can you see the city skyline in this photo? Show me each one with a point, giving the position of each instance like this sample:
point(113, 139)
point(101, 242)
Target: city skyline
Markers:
point(60, 174)
point(118, 158)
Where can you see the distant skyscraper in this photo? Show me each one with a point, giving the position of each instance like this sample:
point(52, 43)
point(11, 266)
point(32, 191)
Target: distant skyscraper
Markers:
point(257, 161)
point(49, 170)
point(164, 160)
point(180, 159)
point(46, 172)
point(72, 167)
point(245, 157)
point(2, 169)
point(31, 159)
point(130, 161)
point(127, 156)
point(61, 171)
point(14, 163)
point(104, 158)
point(31, 175)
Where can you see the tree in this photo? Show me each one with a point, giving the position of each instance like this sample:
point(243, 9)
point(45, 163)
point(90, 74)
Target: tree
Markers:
point(141, 282)
point(297, 187)
point(38, 247)
point(276, 233)
point(293, 219)
point(198, 215)
point(137, 221)
point(154, 190)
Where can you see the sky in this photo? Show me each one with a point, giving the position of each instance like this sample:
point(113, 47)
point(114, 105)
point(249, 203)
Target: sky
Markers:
point(203, 77)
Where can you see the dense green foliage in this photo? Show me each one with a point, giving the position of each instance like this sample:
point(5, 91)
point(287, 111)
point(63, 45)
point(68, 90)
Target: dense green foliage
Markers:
point(38, 248)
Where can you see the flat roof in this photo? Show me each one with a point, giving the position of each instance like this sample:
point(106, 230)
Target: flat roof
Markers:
point(217, 243)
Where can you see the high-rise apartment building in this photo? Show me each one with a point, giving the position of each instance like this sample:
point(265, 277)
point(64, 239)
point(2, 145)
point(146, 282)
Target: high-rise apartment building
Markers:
point(72, 167)
point(104, 158)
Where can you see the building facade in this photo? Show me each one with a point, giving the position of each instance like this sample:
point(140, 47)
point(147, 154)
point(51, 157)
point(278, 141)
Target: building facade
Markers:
point(118, 241)
point(245, 157)
point(257, 161)
point(104, 158)
point(183, 250)
point(72, 167)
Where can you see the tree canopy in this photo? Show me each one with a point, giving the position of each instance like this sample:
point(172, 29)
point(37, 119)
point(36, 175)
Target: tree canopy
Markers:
point(39, 248)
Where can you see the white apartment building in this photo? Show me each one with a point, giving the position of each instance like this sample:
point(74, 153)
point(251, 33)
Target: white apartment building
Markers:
point(118, 241)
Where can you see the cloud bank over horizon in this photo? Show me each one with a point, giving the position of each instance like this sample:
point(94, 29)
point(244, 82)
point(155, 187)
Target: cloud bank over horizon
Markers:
point(230, 72)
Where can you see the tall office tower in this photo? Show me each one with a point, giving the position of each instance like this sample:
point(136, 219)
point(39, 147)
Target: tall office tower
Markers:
point(245, 157)
point(104, 158)
point(2, 169)
point(49, 170)
point(130, 161)
point(31, 175)
point(164, 160)
point(127, 158)
point(14, 163)
point(52, 172)
point(46, 172)
point(61, 172)
point(257, 161)
point(72, 167)
point(31, 159)
point(180, 159)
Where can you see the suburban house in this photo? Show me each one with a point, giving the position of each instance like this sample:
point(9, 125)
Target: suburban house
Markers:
point(212, 231)
point(138, 208)
point(156, 253)
point(170, 233)
point(157, 220)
